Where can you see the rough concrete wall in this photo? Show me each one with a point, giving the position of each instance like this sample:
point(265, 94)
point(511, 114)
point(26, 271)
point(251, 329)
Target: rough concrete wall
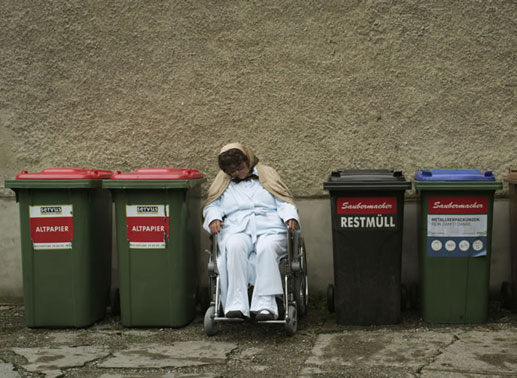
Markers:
point(310, 85)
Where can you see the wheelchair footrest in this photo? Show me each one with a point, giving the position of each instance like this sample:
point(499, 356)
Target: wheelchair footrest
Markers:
point(271, 322)
point(229, 320)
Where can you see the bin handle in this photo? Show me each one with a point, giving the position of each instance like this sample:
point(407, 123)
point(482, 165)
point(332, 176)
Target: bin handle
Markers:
point(93, 173)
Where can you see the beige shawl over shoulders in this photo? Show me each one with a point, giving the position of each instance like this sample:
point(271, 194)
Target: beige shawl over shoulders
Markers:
point(268, 177)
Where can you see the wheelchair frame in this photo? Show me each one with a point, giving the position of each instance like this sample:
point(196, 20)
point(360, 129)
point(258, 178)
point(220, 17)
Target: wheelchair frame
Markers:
point(295, 287)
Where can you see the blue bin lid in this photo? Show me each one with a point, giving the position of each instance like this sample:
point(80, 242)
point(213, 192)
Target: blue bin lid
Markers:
point(453, 175)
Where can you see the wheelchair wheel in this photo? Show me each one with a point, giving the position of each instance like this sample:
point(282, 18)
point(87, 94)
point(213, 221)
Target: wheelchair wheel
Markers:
point(301, 281)
point(211, 327)
point(292, 323)
point(300, 294)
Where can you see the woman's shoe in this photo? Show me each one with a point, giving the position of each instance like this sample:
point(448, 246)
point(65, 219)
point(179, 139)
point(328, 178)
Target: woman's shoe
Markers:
point(264, 315)
point(235, 314)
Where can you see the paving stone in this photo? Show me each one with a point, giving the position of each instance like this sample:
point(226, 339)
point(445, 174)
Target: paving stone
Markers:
point(157, 375)
point(259, 368)
point(479, 352)
point(376, 349)
point(160, 375)
point(452, 374)
point(53, 359)
point(309, 371)
point(251, 352)
point(52, 373)
point(8, 371)
point(179, 354)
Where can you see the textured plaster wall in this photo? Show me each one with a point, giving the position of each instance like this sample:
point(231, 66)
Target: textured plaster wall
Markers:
point(310, 85)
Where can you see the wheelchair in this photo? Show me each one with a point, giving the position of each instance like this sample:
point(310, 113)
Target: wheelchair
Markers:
point(294, 300)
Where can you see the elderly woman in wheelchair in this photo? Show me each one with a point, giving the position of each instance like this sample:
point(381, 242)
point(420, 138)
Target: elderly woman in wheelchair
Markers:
point(249, 211)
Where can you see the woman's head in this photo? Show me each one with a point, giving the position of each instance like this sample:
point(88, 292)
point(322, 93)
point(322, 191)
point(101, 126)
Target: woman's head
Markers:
point(234, 163)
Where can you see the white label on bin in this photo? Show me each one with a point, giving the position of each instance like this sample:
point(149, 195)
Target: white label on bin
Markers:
point(457, 226)
point(51, 226)
point(147, 226)
point(367, 212)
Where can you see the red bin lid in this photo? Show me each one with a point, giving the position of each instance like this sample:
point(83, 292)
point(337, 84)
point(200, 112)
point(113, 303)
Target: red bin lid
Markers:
point(65, 174)
point(158, 174)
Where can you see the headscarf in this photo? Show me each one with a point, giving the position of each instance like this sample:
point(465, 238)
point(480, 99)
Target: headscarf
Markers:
point(268, 177)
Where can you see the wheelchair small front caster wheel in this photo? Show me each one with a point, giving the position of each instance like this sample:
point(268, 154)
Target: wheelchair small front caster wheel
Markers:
point(292, 322)
point(211, 327)
point(330, 298)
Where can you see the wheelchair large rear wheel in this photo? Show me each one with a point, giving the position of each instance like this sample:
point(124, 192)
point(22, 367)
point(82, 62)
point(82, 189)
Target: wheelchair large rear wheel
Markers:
point(301, 284)
point(210, 325)
point(300, 293)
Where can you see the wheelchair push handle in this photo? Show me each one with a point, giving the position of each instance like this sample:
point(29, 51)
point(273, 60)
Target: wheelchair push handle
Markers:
point(292, 224)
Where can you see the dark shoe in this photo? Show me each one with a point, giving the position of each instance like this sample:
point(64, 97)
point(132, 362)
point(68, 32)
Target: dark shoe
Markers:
point(234, 314)
point(264, 315)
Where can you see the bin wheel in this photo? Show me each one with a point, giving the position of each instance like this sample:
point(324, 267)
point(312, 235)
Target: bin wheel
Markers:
point(506, 294)
point(211, 327)
point(330, 298)
point(291, 323)
point(115, 302)
point(300, 294)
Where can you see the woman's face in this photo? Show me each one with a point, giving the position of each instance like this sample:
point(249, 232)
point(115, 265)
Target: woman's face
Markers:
point(240, 171)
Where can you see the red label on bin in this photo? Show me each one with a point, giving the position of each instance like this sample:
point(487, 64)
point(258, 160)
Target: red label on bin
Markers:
point(367, 205)
point(51, 226)
point(147, 226)
point(458, 205)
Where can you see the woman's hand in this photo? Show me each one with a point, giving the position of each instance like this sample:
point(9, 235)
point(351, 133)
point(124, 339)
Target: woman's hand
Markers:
point(215, 226)
point(292, 224)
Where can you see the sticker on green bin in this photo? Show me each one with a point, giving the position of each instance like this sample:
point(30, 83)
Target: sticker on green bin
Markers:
point(457, 226)
point(147, 226)
point(51, 226)
point(367, 212)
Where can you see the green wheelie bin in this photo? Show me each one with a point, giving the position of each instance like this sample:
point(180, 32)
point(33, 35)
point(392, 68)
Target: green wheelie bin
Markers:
point(65, 222)
point(455, 235)
point(157, 217)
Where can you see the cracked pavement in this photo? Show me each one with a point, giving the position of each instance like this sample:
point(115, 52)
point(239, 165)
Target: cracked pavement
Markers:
point(319, 348)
